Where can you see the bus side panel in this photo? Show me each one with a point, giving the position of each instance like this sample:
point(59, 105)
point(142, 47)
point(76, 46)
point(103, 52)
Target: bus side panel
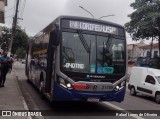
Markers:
point(62, 94)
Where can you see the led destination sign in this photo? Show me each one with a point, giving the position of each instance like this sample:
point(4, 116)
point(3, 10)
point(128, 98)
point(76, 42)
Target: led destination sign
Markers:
point(103, 27)
point(92, 27)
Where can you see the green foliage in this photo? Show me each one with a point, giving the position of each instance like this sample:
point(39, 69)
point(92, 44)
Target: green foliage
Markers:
point(6, 35)
point(20, 52)
point(145, 20)
point(20, 40)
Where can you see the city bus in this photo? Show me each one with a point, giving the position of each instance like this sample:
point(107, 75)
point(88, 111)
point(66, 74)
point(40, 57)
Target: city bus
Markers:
point(79, 59)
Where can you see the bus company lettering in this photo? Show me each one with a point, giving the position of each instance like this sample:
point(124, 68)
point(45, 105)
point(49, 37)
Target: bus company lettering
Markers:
point(74, 65)
point(94, 87)
point(93, 27)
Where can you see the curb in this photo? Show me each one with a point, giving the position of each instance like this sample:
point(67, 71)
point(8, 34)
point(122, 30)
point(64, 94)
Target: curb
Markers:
point(22, 98)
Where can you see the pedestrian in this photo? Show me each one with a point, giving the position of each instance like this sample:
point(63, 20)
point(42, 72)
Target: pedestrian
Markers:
point(5, 66)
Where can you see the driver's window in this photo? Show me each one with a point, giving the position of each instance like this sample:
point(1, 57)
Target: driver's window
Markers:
point(150, 79)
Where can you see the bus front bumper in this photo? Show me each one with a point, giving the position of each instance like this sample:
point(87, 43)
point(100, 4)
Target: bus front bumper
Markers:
point(63, 94)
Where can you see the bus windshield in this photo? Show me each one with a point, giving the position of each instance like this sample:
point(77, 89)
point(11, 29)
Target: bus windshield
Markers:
point(92, 53)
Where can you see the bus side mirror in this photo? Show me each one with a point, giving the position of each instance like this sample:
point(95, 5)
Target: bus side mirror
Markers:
point(53, 38)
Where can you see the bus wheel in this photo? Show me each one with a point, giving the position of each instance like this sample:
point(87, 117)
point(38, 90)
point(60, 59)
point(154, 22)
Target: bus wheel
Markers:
point(132, 91)
point(157, 98)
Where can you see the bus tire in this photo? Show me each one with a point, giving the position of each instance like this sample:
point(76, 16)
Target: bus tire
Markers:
point(157, 97)
point(132, 91)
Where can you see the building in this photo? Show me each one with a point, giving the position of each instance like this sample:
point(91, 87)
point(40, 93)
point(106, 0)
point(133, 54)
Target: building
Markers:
point(135, 51)
point(147, 48)
point(142, 50)
point(3, 3)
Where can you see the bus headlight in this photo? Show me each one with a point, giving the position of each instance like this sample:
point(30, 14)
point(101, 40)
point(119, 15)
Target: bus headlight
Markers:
point(120, 86)
point(117, 87)
point(69, 85)
point(64, 83)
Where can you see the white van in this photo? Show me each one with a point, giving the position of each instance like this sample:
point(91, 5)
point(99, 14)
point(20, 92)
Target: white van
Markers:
point(145, 81)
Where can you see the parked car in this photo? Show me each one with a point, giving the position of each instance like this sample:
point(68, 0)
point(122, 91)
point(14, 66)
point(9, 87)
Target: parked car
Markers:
point(145, 81)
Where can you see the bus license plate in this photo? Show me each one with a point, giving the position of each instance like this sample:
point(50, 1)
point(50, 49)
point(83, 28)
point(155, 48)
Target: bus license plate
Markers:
point(93, 99)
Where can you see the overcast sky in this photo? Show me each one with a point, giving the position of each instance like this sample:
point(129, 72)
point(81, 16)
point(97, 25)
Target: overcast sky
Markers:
point(39, 13)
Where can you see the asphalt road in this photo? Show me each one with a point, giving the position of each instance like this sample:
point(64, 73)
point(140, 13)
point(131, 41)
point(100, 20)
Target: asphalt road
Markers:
point(86, 110)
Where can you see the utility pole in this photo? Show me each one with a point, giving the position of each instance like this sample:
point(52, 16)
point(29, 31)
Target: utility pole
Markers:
point(13, 28)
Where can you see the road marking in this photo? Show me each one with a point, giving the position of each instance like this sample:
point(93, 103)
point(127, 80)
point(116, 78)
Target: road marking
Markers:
point(121, 109)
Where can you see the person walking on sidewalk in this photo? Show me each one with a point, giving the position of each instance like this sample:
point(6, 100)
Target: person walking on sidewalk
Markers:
point(5, 66)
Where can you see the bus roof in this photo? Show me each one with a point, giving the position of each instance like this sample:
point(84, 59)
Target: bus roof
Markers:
point(57, 20)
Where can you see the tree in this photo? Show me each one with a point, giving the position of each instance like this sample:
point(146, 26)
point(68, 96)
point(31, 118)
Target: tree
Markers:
point(20, 40)
point(20, 52)
point(145, 20)
point(6, 35)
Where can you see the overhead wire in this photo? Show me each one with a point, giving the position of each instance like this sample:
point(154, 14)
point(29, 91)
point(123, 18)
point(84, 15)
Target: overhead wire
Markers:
point(14, 6)
point(9, 9)
point(8, 16)
point(9, 13)
point(10, 22)
point(13, 12)
point(22, 8)
point(19, 9)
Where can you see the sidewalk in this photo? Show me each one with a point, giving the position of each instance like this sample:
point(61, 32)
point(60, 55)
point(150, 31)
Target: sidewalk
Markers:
point(11, 97)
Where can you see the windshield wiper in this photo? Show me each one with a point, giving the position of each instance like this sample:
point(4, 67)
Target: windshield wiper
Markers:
point(83, 41)
point(106, 54)
point(109, 41)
